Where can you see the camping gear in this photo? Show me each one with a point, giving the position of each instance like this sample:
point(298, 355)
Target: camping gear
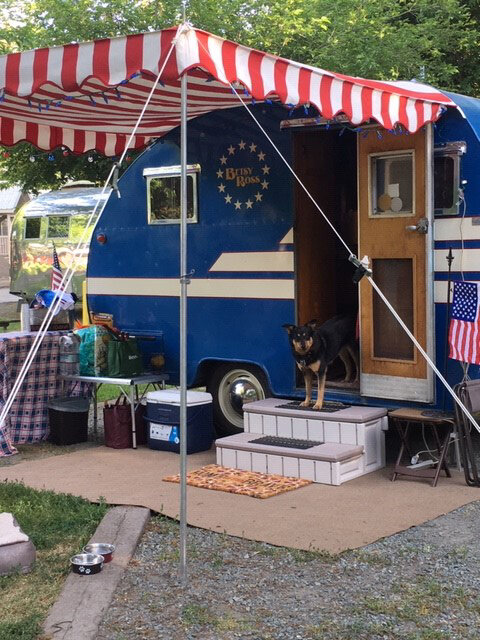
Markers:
point(117, 424)
point(31, 319)
point(469, 393)
point(123, 356)
point(68, 420)
point(163, 418)
point(93, 350)
point(68, 357)
point(101, 549)
point(247, 483)
point(86, 564)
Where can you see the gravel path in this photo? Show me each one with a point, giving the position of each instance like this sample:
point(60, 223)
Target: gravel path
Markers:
point(421, 584)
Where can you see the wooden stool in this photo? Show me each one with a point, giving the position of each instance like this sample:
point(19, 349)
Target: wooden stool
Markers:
point(437, 421)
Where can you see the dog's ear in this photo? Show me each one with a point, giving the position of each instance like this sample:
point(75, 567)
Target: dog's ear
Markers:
point(288, 328)
point(314, 324)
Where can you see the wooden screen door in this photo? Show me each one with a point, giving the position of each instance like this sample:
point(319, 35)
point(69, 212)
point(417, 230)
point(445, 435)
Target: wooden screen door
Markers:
point(394, 177)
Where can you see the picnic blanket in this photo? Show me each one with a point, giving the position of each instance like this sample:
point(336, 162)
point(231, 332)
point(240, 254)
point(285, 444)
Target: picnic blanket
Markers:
point(27, 420)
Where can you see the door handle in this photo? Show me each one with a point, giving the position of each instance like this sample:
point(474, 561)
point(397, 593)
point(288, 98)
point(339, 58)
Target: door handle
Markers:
point(421, 226)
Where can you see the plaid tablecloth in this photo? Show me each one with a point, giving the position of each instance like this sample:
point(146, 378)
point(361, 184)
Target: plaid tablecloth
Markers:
point(27, 420)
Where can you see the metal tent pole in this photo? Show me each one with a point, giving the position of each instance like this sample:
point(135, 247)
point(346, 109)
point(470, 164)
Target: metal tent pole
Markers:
point(183, 332)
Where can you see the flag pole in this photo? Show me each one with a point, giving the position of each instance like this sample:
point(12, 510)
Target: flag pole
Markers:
point(449, 259)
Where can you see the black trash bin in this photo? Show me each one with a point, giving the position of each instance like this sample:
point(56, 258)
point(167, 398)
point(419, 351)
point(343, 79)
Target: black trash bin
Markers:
point(68, 420)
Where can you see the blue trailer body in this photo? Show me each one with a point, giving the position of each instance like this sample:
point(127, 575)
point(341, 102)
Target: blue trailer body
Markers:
point(231, 317)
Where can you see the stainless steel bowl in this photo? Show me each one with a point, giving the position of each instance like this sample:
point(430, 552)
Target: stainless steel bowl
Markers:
point(87, 564)
point(101, 548)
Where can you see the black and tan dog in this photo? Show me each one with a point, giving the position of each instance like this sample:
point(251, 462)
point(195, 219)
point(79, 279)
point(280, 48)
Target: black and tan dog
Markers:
point(315, 346)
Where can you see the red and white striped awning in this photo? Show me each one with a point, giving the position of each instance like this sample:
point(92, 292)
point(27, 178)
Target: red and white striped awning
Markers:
point(88, 96)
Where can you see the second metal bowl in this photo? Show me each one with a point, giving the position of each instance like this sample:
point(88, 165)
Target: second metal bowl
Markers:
point(101, 548)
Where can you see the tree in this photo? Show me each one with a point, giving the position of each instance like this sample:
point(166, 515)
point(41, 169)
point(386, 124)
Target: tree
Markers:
point(436, 42)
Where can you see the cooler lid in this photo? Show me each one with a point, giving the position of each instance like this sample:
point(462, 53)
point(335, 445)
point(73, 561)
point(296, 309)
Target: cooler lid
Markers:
point(172, 396)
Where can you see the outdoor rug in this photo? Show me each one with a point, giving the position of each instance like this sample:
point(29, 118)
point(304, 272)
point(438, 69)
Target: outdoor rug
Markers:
point(246, 483)
point(318, 516)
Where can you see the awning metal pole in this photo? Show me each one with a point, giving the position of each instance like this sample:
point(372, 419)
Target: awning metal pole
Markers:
point(183, 332)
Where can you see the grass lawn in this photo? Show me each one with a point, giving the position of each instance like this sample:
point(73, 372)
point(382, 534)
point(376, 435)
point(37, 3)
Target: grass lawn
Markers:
point(59, 525)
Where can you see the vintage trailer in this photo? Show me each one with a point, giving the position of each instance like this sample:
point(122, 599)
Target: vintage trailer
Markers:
point(260, 255)
point(56, 217)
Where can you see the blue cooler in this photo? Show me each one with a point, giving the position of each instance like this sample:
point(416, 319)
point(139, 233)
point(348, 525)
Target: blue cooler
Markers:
point(163, 420)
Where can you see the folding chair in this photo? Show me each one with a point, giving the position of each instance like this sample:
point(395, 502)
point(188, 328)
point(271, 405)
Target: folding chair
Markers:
point(469, 394)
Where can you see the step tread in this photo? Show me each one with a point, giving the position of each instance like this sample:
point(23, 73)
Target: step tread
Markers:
point(359, 414)
point(329, 451)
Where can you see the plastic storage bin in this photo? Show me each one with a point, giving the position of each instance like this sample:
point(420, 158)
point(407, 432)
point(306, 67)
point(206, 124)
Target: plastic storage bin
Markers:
point(68, 420)
point(163, 419)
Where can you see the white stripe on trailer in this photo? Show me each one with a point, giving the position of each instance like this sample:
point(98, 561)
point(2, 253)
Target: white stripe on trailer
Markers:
point(256, 261)
point(267, 289)
point(463, 260)
point(456, 229)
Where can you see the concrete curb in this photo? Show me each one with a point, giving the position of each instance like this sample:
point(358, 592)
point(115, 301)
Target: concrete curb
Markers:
point(77, 613)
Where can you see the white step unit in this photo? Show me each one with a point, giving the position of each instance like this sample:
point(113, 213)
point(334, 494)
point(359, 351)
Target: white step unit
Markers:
point(355, 425)
point(329, 463)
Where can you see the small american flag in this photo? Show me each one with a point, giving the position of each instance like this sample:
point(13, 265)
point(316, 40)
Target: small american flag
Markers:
point(56, 272)
point(464, 331)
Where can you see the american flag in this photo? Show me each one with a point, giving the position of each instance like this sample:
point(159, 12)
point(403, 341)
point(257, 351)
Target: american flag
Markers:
point(56, 271)
point(464, 332)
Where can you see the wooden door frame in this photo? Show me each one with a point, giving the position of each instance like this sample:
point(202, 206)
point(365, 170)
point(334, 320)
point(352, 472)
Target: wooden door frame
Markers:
point(412, 389)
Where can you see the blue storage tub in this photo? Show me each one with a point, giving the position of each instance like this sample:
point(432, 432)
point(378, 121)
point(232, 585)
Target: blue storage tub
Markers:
point(163, 420)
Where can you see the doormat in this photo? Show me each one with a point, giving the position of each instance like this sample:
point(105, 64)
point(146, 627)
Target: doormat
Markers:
point(246, 483)
point(328, 407)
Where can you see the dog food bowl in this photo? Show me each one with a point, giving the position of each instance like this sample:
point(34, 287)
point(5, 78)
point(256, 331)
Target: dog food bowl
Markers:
point(86, 564)
point(101, 549)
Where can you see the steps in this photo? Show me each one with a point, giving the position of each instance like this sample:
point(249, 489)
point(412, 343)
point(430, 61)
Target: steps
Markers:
point(353, 437)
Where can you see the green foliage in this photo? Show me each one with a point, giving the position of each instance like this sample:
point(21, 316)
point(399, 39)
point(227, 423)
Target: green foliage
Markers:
point(436, 42)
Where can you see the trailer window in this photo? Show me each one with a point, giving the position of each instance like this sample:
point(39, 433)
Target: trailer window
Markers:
point(446, 179)
point(392, 184)
point(163, 193)
point(32, 228)
point(58, 226)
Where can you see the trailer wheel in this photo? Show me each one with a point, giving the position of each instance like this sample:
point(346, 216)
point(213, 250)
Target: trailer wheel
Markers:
point(231, 386)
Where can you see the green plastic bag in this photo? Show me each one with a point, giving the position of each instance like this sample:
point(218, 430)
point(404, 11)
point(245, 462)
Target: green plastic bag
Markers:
point(124, 358)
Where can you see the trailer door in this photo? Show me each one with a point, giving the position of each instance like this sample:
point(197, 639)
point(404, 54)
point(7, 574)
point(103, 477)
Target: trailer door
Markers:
point(395, 192)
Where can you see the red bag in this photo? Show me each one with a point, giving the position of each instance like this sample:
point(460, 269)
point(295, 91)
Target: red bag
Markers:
point(117, 424)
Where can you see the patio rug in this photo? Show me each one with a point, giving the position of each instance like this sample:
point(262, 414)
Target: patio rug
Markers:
point(246, 483)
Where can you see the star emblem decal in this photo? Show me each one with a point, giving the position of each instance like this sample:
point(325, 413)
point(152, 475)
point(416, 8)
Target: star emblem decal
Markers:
point(241, 176)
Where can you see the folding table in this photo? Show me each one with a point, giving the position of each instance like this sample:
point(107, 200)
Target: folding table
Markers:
point(154, 379)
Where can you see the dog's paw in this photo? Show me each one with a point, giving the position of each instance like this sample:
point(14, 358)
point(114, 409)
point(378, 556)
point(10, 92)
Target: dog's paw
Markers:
point(305, 403)
point(317, 406)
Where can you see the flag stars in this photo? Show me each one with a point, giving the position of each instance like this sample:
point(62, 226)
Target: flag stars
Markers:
point(264, 184)
point(266, 170)
point(261, 156)
point(253, 147)
point(228, 198)
point(241, 145)
point(221, 187)
point(238, 205)
point(231, 150)
point(223, 160)
point(219, 173)
point(258, 196)
point(249, 203)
